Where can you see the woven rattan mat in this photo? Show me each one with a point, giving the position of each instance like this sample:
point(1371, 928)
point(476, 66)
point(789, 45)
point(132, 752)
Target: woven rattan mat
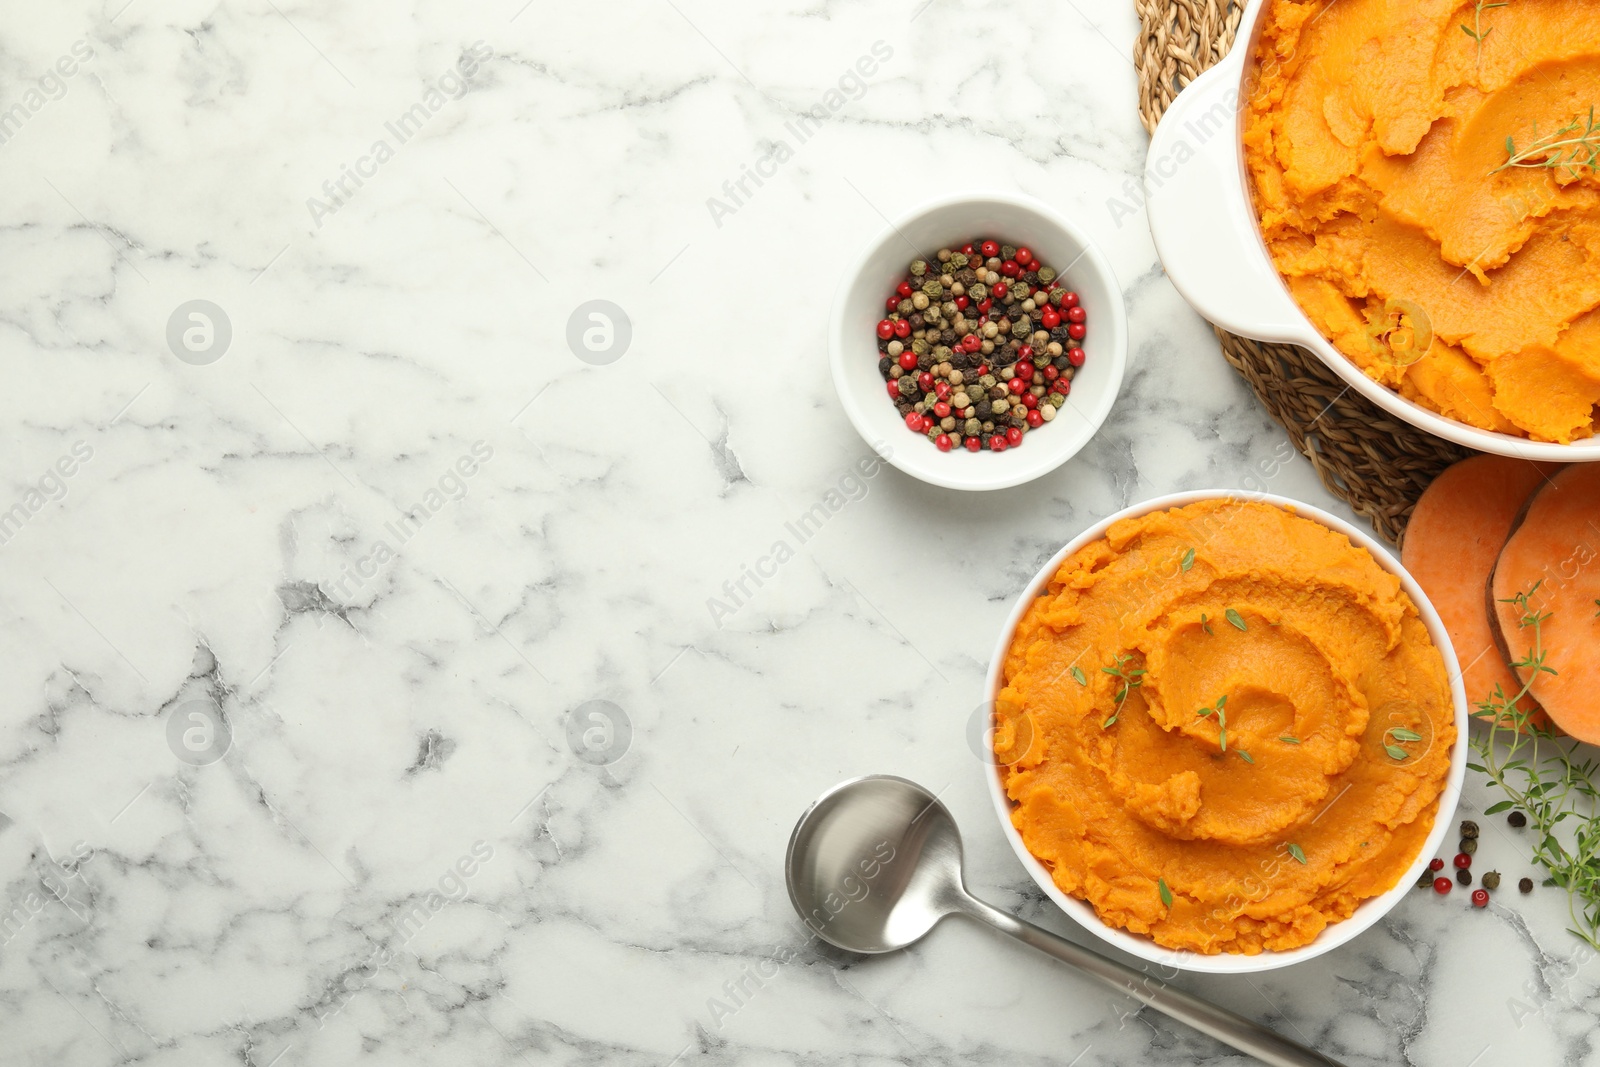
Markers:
point(1364, 456)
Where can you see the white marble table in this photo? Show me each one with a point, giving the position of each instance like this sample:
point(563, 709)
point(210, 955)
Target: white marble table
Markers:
point(293, 779)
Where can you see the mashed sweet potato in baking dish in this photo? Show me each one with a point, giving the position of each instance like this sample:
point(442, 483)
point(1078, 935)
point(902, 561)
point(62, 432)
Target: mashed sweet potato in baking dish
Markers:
point(1377, 137)
point(1224, 726)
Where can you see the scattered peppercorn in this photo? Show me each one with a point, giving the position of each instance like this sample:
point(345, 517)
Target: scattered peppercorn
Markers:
point(1469, 829)
point(1526, 885)
point(1436, 864)
point(1462, 861)
point(1517, 819)
point(1480, 898)
point(1464, 876)
point(1425, 881)
point(1441, 885)
point(1490, 879)
point(1469, 845)
point(982, 305)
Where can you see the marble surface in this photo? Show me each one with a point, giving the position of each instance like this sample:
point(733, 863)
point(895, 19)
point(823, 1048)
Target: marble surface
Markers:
point(290, 778)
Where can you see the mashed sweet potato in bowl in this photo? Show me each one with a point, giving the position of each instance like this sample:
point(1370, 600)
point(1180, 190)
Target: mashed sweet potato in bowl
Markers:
point(1228, 731)
point(1417, 205)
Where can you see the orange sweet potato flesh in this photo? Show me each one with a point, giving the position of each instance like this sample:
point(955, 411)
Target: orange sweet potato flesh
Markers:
point(1555, 553)
point(1454, 536)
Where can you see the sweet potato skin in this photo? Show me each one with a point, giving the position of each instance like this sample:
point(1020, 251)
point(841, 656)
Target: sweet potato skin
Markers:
point(1553, 554)
point(1452, 541)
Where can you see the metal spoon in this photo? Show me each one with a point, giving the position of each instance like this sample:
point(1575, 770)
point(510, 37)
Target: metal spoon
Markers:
point(875, 863)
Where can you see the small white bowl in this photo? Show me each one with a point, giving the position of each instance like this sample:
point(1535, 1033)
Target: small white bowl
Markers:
point(1369, 911)
point(858, 305)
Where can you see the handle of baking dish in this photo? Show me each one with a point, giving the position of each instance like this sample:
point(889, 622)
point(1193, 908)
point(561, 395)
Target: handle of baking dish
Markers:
point(1202, 218)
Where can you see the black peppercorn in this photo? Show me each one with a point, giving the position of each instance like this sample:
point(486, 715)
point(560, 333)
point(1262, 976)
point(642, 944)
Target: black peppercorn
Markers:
point(883, 367)
point(983, 409)
point(1469, 829)
point(947, 336)
point(1469, 845)
point(1526, 885)
point(1517, 819)
point(1464, 876)
point(1060, 334)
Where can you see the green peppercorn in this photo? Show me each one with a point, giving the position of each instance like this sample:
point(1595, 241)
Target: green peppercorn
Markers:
point(1426, 881)
point(907, 385)
point(919, 267)
point(906, 307)
point(919, 346)
point(1469, 828)
point(958, 261)
point(1020, 329)
point(1046, 275)
point(1469, 845)
point(1008, 252)
point(1491, 880)
point(933, 288)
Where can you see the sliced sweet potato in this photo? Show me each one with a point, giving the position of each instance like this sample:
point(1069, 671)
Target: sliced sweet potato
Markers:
point(1451, 543)
point(1553, 556)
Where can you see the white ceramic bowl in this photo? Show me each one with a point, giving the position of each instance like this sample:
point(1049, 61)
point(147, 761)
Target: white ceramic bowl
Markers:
point(1203, 220)
point(858, 305)
point(1336, 934)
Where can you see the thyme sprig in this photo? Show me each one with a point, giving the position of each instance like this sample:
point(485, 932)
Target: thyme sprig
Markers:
point(1131, 678)
point(1220, 710)
point(1476, 30)
point(1545, 776)
point(1574, 147)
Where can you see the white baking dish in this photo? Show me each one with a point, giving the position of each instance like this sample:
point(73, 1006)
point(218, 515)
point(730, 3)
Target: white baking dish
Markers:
point(1206, 231)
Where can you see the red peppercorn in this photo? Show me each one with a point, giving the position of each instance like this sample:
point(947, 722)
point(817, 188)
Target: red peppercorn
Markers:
point(1462, 861)
point(1077, 331)
point(885, 329)
point(1025, 352)
point(966, 250)
point(1442, 885)
point(1076, 356)
point(902, 329)
point(1035, 419)
point(985, 304)
point(1030, 401)
point(973, 444)
point(914, 422)
point(904, 289)
point(990, 249)
point(1018, 385)
point(942, 442)
point(1062, 386)
point(893, 303)
point(925, 379)
point(1014, 435)
point(1436, 864)
point(962, 301)
point(998, 443)
point(1480, 898)
point(1023, 368)
point(1050, 373)
point(941, 390)
point(1050, 317)
point(908, 360)
point(973, 342)
point(1010, 269)
point(1024, 256)
point(941, 409)
point(1077, 314)
point(1069, 299)
point(894, 390)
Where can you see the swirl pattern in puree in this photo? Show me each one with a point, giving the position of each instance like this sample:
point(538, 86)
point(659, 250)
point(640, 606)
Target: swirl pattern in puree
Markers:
point(1332, 666)
point(1375, 137)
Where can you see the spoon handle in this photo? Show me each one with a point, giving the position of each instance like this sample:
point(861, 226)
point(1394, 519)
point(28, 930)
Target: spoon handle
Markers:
point(1208, 1018)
